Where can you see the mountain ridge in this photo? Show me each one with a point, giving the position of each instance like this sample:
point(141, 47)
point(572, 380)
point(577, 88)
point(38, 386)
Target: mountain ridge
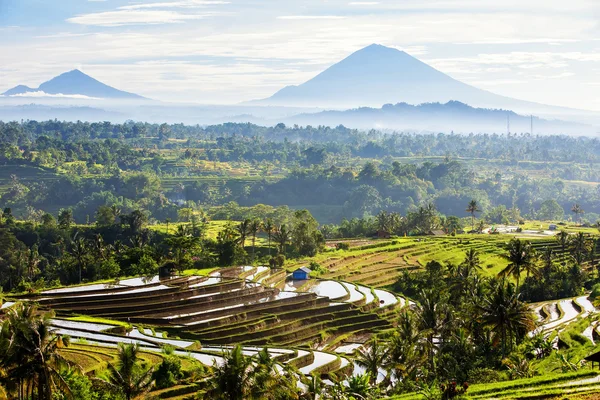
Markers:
point(376, 75)
point(74, 82)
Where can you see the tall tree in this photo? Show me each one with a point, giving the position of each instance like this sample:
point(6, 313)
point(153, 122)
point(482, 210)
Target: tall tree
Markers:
point(128, 376)
point(577, 210)
point(29, 353)
point(242, 231)
point(472, 208)
point(562, 238)
point(521, 258)
point(231, 380)
point(281, 237)
point(253, 229)
point(507, 317)
point(372, 357)
point(269, 228)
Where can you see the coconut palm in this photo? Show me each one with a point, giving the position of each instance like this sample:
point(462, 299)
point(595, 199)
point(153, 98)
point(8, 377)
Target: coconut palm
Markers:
point(372, 357)
point(577, 210)
point(471, 263)
point(269, 227)
point(270, 381)
point(79, 249)
point(472, 208)
point(431, 312)
point(383, 221)
point(522, 258)
point(128, 376)
point(507, 316)
point(580, 246)
point(242, 231)
point(281, 237)
point(562, 238)
point(253, 229)
point(29, 354)
point(314, 387)
point(232, 379)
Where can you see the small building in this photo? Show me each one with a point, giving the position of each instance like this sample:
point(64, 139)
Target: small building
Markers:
point(553, 227)
point(381, 234)
point(593, 358)
point(301, 274)
point(437, 232)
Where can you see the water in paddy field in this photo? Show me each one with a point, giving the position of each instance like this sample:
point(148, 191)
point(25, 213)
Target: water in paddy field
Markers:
point(84, 288)
point(88, 326)
point(587, 305)
point(141, 281)
point(320, 360)
point(210, 281)
point(355, 295)
point(569, 313)
point(385, 298)
point(138, 290)
point(367, 292)
point(292, 285)
point(348, 348)
point(259, 271)
point(331, 289)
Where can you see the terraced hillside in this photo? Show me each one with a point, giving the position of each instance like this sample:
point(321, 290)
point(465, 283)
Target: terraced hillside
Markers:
point(201, 317)
point(236, 305)
point(380, 264)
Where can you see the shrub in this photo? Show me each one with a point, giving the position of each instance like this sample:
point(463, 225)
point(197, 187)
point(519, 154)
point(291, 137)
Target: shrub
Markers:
point(484, 375)
point(595, 292)
point(108, 269)
point(277, 261)
point(342, 246)
point(168, 372)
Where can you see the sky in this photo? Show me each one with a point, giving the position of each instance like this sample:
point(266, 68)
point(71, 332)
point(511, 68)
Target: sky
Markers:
point(225, 52)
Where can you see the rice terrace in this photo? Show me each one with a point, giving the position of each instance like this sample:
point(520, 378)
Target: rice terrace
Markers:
point(299, 200)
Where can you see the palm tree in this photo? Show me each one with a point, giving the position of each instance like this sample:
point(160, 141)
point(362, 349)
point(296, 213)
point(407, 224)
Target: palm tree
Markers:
point(242, 231)
point(29, 353)
point(521, 257)
point(502, 311)
point(471, 263)
point(269, 383)
point(281, 237)
point(562, 238)
point(269, 228)
point(547, 258)
point(580, 246)
point(372, 358)
point(431, 313)
point(577, 210)
point(79, 250)
point(232, 379)
point(383, 221)
point(128, 376)
point(253, 229)
point(314, 387)
point(473, 208)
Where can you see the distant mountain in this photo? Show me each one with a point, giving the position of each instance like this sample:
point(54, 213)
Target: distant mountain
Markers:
point(378, 75)
point(74, 83)
point(436, 117)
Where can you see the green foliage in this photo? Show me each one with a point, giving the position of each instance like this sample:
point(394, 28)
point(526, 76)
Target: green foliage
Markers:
point(168, 372)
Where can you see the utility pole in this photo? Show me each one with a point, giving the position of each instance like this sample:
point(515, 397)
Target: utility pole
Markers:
point(531, 124)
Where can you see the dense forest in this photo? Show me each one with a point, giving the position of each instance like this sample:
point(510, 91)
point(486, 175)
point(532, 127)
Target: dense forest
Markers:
point(334, 172)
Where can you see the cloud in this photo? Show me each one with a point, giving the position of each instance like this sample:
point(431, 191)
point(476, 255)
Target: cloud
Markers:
point(363, 3)
point(175, 4)
point(134, 17)
point(40, 94)
point(316, 17)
